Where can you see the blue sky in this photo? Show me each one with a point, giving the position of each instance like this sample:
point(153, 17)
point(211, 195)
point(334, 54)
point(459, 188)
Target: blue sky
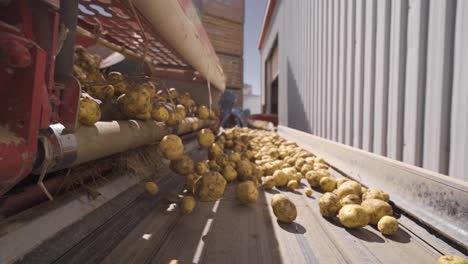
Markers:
point(254, 10)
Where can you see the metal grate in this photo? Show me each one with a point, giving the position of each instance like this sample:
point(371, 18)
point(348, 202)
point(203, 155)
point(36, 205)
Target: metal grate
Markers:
point(113, 20)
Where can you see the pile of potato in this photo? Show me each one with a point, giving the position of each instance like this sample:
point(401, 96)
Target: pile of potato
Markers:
point(133, 100)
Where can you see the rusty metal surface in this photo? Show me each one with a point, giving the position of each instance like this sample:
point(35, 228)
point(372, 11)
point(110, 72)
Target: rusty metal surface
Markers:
point(438, 201)
point(115, 21)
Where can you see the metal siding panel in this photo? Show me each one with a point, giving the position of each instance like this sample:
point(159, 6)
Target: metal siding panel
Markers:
point(329, 70)
point(415, 79)
point(325, 69)
point(369, 77)
point(381, 76)
point(334, 73)
point(459, 118)
point(320, 68)
point(342, 95)
point(396, 86)
point(314, 70)
point(350, 59)
point(439, 85)
point(360, 47)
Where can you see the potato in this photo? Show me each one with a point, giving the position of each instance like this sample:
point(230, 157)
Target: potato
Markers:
point(172, 120)
point(173, 94)
point(350, 199)
point(299, 163)
point(214, 166)
point(268, 182)
point(180, 109)
point(349, 187)
point(306, 168)
point(281, 179)
point(234, 156)
point(327, 184)
point(329, 204)
point(194, 126)
point(210, 187)
point(89, 112)
point(292, 185)
point(201, 168)
point(190, 181)
point(363, 190)
point(314, 178)
point(323, 172)
point(319, 160)
point(298, 177)
point(308, 192)
point(205, 138)
point(160, 114)
point(374, 193)
point(320, 166)
point(388, 225)
point(451, 260)
point(341, 181)
point(215, 150)
point(171, 147)
point(135, 103)
point(229, 173)
point(182, 165)
point(162, 96)
point(290, 172)
point(353, 216)
point(118, 81)
point(151, 188)
point(247, 192)
point(203, 112)
point(284, 210)
point(187, 204)
point(244, 170)
point(222, 160)
point(377, 209)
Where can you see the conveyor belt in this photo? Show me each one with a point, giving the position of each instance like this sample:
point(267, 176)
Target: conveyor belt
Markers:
point(228, 232)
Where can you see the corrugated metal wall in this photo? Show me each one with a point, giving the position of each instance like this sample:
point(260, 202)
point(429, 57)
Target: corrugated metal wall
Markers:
point(386, 76)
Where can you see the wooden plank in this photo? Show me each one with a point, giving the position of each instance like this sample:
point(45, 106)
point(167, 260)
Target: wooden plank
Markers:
point(381, 76)
point(225, 36)
point(439, 86)
point(416, 79)
point(459, 121)
point(350, 65)
point(369, 77)
point(396, 85)
point(232, 10)
point(359, 73)
point(233, 70)
point(438, 201)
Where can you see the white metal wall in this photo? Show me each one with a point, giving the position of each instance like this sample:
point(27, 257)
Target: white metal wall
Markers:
point(386, 76)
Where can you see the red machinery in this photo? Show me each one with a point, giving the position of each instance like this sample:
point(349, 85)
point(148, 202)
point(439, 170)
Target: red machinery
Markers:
point(37, 88)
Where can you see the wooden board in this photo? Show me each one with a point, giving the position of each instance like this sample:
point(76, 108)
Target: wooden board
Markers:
point(225, 36)
point(232, 10)
point(233, 70)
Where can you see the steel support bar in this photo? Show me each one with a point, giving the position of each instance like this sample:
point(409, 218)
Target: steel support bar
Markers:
point(437, 200)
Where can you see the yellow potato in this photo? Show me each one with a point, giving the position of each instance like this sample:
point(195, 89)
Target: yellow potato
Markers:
point(234, 156)
point(173, 94)
point(341, 181)
point(118, 81)
point(194, 126)
point(215, 150)
point(201, 168)
point(281, 179)
point(171, 147)
point(182, 165)
point(160, 114)
point(268, 182)
point(135, 103)
point(327, 184)
point(214, 166)
point(187, 204)
point(353, 216)
point(374, 193)
point(329, 204)
point(284, 210)
point(203, 112)
point(210, 187)
point(222, 160)
point(377, 209)
point(205, 138)
point(172, 120)
point(151, 188)
point(299, 163)
point(292, 185)
point(350, 199)
point(247, 192)
point(89, 112)
point(308, 192)
point(306, 168)
point(388, 225)
point(313, 177)
point(180, 109)
point(348, 187)
point(451, 260)
point(244, 170)
point(229, 173)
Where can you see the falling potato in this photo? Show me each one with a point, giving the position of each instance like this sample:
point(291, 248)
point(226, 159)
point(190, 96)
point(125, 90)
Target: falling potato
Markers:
point(210, 187)
point(205, 138)
point(247, 192)
point(187, 204)
point(151, 188)
point(171, 147)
